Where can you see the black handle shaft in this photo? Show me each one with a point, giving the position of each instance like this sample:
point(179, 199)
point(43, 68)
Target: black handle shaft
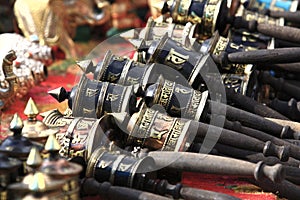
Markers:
point(203, 163)
point(280, 85)
point(189, 193)
point(242, 141)
point(90, 186)
point(284, 189)
point(281, 32)
point(280, 55)
point(254, 121)
point(249, 104)
point(288, 16)
point(288, 108)
point(290, 67)
point(250, 156)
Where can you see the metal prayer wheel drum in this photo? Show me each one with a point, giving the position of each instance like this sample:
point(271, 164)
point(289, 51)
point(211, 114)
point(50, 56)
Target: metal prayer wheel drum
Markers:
point(187, 62)
point(81, 137)
point(115, 69)
point(183, 34)
point(204, 13)
point(280, 5)
point(120, 169)
point(241, 83)
point(218, 44)
point(249, 40)
point(91, 98)
point(156, 131)
point(181, 10)
point(176, 99)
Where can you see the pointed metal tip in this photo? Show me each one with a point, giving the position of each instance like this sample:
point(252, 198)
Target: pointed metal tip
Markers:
point(38, 183)
point(52, 144)
point(137, 43)
point(34, 159)
point(16, 123)
point(130, 34)
point(60, 94)
point(31, 110)
point(85, 65)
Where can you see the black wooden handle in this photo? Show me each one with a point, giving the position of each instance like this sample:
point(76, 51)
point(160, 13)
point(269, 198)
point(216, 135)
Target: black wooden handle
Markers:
point(280, 55)
point(194, 194)
point(281, 32)
point(288, 16)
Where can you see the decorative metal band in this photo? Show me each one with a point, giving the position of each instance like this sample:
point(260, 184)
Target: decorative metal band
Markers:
point(101, 67)
point(195, 106)
point(142, 125)
point(125, 72)
point(210, 16)
point(196, 71)
point(221, 46)
point(166, 93)
point(65, 140)
point(294, 6)
point(91, 166)
point(75, 141)
point(159, 131)
point(237, 82)
point(261, 19)
point(101, 97)
point(114, 168)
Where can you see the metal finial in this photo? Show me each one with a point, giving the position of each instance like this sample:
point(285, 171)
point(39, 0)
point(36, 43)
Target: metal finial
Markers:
point(85, 65)
point(60, 94)
point(52, 144)
point(16, 123)
point(34, 159)
point(38, 183)
point(31, 110)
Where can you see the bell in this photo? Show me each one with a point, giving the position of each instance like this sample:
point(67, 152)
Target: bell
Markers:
point(91, 98)
point(60, 169)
